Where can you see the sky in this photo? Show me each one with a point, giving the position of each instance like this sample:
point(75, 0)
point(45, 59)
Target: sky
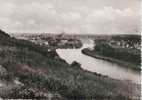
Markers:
point(71, 16)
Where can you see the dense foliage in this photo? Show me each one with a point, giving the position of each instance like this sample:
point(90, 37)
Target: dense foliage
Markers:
point(132, 56)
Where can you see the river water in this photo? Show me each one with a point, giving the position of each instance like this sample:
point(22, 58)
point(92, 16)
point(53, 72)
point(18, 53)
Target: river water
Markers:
point(100, 66)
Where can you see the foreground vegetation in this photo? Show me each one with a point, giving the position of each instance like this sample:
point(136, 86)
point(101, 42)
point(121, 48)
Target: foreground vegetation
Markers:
point(42, 74)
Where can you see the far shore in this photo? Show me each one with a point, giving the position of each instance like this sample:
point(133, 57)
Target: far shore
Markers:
point(119, 62)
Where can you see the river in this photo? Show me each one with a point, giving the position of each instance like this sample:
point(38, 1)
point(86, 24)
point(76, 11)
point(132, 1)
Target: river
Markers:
point(100, 66)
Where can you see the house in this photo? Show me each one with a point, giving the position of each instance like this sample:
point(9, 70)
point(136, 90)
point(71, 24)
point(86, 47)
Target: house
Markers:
point(46, 43)
point(64, 41)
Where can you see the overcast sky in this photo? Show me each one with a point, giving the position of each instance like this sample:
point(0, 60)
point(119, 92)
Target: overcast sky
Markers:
point(72, 16)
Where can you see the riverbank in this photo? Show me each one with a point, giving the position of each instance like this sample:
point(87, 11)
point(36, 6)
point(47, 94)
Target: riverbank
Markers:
point(102, 67)
point(120, 62)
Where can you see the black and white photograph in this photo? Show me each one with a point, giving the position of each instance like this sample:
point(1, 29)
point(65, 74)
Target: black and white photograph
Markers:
point(70, 49)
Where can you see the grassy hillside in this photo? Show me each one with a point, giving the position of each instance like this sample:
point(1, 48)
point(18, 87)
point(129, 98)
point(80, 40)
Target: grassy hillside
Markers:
point(42, 74)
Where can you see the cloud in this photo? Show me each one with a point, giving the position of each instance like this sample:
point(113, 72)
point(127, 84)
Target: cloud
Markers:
point(90, 16)
point(109, 20)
